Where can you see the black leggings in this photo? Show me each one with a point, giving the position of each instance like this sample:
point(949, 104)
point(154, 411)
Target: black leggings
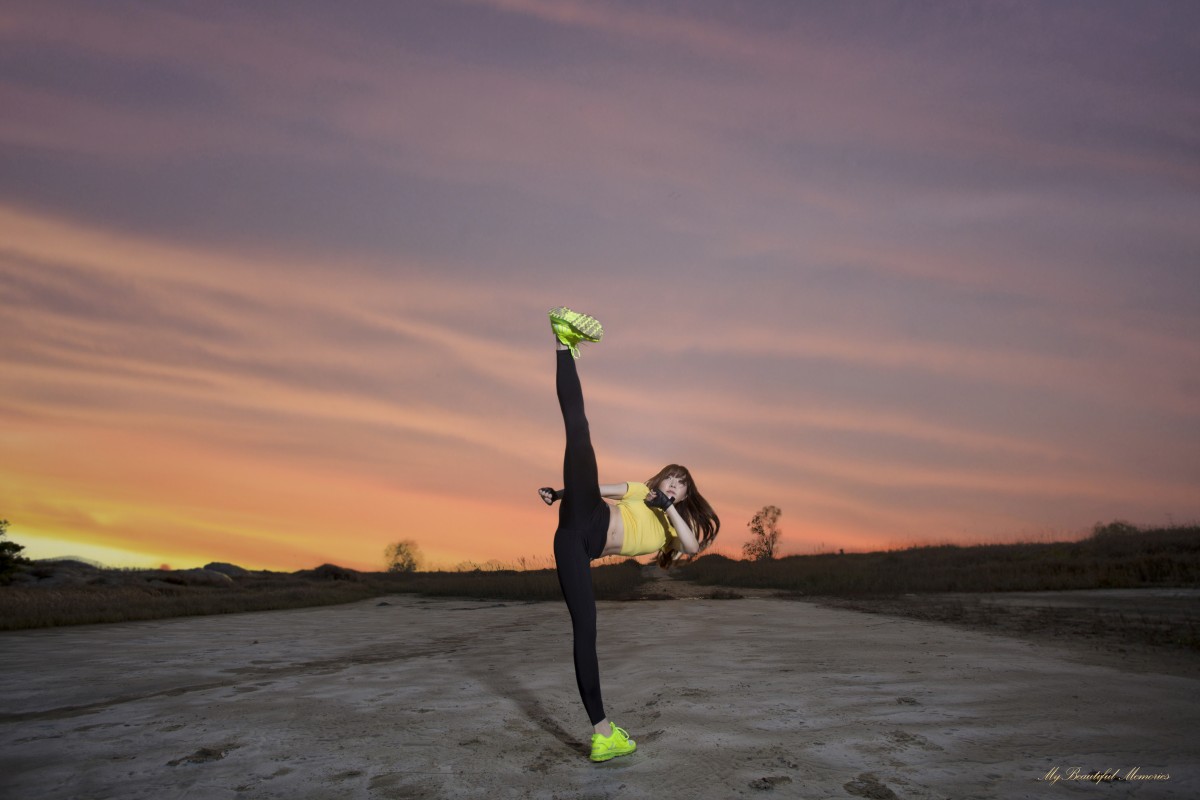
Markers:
point(582, 530)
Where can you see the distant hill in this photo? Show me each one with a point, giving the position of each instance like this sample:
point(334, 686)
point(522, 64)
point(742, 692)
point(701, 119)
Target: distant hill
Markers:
point(72, 560)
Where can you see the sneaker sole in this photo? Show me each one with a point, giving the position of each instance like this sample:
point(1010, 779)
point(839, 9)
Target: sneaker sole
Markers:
point(587, 327)
point(611, 756)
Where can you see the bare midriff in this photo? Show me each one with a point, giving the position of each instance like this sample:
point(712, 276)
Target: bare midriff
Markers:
point(616, 533)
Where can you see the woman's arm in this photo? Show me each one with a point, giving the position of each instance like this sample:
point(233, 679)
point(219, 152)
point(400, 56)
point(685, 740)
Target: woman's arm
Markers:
point(686, 538)
point(550, 496)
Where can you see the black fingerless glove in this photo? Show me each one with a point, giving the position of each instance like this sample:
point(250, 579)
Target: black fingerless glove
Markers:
point(555, 494)
point(661, 501)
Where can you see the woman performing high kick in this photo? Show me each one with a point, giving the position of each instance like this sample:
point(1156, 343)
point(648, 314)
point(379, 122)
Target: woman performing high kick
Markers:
point(666, 515)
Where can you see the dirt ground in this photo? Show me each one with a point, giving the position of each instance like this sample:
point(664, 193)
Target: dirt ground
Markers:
point(408, 697)
point(1156, 630)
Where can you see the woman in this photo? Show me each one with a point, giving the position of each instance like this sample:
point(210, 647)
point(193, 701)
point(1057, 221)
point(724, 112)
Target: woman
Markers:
point(663, 515)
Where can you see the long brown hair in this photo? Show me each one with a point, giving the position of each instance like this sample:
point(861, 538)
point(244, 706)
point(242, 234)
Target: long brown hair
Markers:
point(694, 509)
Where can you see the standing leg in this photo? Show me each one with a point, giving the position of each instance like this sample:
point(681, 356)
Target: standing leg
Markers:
point(575, 579)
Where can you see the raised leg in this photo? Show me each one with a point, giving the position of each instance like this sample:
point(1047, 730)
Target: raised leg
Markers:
point(581, 480)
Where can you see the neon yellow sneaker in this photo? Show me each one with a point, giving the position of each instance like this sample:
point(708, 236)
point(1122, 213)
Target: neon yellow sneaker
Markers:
point(606, 747)
point(571, 328)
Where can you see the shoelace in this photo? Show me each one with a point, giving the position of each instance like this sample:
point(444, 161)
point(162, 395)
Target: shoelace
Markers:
point(623, 732)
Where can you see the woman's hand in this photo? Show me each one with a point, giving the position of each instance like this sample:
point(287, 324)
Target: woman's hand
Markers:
point(549, 495)
point(657, 499)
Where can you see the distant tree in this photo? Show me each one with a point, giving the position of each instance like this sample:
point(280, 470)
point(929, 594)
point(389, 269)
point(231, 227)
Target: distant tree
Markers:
point(9, 558)
point(764, 534)
point(402, 556)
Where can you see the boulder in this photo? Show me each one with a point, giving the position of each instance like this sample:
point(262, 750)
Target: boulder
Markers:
point(59, 579)
point(331, 572)
point(197, 577)
point(54, 572)
point(232, 570)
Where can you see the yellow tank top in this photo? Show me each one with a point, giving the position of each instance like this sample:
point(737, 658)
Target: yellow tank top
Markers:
point(646, 529)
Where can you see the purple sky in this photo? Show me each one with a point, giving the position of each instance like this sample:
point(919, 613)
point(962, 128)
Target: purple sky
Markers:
point(275, 274)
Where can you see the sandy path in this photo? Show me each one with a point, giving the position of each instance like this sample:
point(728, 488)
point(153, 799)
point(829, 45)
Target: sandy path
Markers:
point(456, 698)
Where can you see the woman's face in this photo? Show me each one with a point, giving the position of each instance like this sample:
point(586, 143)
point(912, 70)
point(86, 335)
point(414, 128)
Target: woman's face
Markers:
point(675, 486)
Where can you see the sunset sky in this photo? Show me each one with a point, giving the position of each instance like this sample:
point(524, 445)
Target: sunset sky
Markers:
point(275, 275)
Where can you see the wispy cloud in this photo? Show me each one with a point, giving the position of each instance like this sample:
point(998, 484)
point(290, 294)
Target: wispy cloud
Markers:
point(910, 273)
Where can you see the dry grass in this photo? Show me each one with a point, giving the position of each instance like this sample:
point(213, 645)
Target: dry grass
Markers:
point(1172, 624)
point(617, 581)
point(31, 607)
point(1131, 558)
point(121, 596)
